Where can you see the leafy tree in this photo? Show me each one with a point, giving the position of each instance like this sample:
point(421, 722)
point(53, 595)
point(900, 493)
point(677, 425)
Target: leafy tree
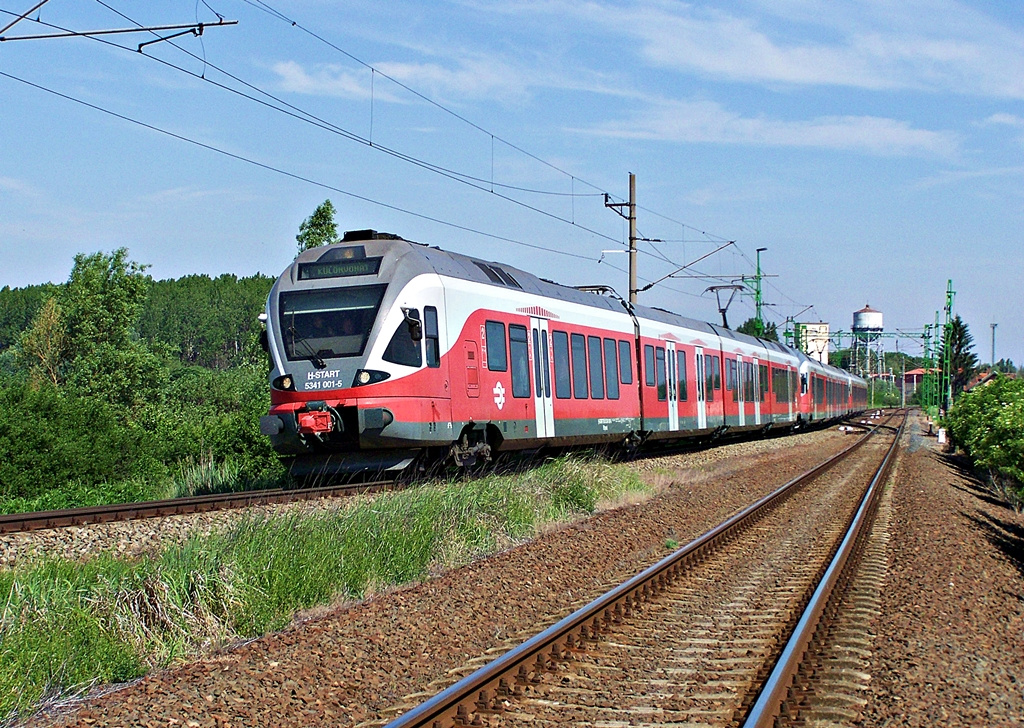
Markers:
point(318, 229)
point(102, 302)
point(1005, 366)
point(963, 363)
point(44, 345)
point(751, 327)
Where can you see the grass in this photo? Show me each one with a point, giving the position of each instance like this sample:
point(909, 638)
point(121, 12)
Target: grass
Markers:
point(66, 626)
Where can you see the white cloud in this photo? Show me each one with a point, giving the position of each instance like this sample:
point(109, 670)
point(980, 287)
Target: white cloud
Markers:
point(1005, 120)
point(466, 78)
point(709, 122)
point(933, 45)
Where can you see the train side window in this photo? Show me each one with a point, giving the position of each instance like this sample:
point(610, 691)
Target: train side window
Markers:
point(709, 378)
point(659, 365)
point(716, 364)
point(681, 364)
point(560, 346)
point(803, 384)
point(497, 360)
point(649, 365)
point(762, 374)
point(625, 362)
point(579, 366)
point(596, 370)
point(402, 349)
point(730, 378)
point(519, 352)
point(431, 339)
point(611, 369)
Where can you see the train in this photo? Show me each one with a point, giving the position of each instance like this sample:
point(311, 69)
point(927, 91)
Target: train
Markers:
point(387, 352)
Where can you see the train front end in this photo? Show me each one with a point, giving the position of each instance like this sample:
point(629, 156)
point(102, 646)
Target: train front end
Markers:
point(357, 382)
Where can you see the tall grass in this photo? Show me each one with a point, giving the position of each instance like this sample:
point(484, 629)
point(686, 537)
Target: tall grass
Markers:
point(66, 626)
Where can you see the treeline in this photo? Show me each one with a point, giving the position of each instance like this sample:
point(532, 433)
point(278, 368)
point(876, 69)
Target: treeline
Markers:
point(200, 320)
point(114, 386)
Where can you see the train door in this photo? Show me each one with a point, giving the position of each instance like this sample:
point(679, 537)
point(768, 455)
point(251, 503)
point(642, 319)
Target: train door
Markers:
point(755, 370)
point(471, 354)
point(673, 385)
point(740, 392)
point(543, 403)
point(702, 412)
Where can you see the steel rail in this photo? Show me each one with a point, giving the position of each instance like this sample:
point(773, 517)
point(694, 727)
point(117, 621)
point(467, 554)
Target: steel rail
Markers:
point(485, 689)
point(774, 693)
point(38, 520)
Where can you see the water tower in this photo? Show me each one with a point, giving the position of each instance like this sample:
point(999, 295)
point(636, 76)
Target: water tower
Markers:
point(867, 328)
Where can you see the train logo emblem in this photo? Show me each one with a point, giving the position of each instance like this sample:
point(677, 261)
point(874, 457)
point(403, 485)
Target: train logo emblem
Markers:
point(499, 395)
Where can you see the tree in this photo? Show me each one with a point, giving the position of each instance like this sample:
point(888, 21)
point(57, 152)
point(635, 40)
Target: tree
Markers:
point(102, 302)
point(1006, 366)
point(963, 363)
point(750, 326)
point(43, 346)
point(318, 229)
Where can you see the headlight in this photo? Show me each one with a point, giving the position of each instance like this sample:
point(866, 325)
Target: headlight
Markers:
point(284, 383)
point(369, 376)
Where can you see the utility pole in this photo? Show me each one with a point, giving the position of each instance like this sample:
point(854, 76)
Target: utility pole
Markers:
point(947, 354)
point(993, 345)
point(631, 217)
point(632, 239)
point(757, 294)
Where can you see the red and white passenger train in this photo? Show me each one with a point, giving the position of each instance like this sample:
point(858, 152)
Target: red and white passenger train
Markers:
point(384, 349)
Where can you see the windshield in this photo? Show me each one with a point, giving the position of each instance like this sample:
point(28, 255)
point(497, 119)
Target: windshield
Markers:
point(328, 323)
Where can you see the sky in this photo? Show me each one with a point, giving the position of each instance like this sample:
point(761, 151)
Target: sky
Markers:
point(874, 149)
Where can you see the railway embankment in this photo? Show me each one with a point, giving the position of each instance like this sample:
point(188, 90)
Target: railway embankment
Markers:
point(942, 645)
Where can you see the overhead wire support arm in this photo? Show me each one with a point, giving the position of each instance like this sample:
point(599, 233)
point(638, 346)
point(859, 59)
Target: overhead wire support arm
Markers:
point(22, 17)
point(649, 286)
point(194, 28)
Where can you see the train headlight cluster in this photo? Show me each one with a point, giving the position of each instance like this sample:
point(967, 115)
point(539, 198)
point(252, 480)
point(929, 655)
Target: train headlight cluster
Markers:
point(369, 376)
point(286, 383)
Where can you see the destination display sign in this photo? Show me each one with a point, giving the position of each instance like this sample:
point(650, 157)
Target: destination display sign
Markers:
point(339, 268)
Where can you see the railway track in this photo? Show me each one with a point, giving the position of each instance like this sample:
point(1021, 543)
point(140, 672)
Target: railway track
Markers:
point(715, 634)
point(19, 522)
point(41, 520)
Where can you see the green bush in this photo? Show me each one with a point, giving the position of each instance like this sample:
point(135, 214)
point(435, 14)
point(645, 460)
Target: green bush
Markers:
point(988, 424)
point(52, 440)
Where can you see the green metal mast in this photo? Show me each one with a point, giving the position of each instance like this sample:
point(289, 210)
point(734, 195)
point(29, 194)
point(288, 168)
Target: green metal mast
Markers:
point(946, 392)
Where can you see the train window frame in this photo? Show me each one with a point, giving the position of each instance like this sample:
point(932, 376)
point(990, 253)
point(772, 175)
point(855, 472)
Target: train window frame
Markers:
point(709, 378)
point(494, 340)
point(661, 374)
point(403, 349)
point(716, 365)
point(431, 337)
point(681, 375)
point(611, 369)
point(578, 354)
point(625, 362)
point(649, 365)
point(764, 383)
point(730, 377)
point(595, 366)
point(563, 372)
point(519, 360)
point(353, 301)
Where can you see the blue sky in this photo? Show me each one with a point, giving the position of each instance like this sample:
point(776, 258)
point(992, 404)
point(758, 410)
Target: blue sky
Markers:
point(876, 149)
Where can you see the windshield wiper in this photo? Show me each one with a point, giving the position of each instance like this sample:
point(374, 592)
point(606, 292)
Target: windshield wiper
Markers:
point(297, 338)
